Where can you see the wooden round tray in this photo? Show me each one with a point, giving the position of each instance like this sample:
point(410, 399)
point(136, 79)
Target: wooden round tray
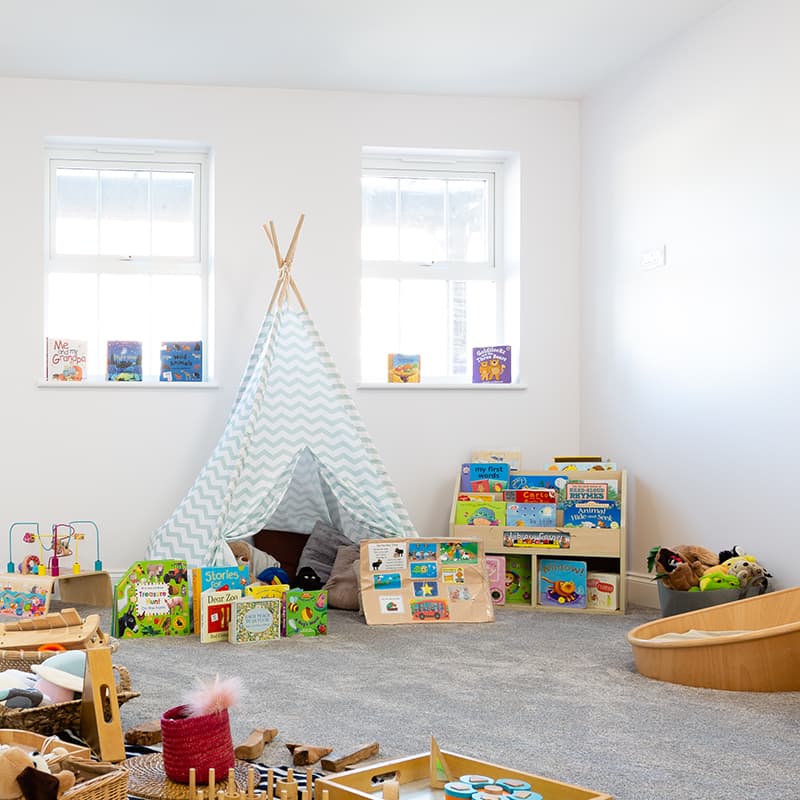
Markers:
point(146, 779)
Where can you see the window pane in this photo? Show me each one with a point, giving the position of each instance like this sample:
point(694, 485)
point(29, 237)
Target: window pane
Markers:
point(173, 214)
point(422, 219)
point(125, 213)
point(379, 326)
point(466, 221)
point(125, 313)
point(423, 324)
point(76, 212)
point(379, 219)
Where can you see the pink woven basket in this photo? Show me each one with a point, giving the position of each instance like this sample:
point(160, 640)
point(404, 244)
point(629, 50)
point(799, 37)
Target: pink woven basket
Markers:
point(201, 742)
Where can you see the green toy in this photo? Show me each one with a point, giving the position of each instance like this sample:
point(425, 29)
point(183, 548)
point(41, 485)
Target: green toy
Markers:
point(716, 580)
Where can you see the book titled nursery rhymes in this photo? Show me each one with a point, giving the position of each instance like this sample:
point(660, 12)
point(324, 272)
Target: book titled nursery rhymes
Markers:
point(404, 368)
point(124, 361)
point(491, 364)
point(181, 361)
point(66, 359)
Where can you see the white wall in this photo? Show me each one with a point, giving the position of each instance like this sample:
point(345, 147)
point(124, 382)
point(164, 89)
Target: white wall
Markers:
point(690, 374)
point(125, 458)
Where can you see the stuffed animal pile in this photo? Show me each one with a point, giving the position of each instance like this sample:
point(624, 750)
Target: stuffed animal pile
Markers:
point(23, 775)
point(694, 568)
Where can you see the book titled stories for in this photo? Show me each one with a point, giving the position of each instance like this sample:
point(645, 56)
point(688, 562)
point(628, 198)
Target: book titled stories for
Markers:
point(562, 582)
point(404, 368)
point(181, 361)
point(218, 579)
point(66, 359)
point(491, 364)
point(124, 361)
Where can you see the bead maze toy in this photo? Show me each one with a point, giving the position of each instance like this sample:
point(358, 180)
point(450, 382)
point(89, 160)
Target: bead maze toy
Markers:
point(62, 542)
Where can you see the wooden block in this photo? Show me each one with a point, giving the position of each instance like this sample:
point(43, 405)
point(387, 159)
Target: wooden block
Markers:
point(305, 754)
point(146, 733)
point(361, 753)
point(252, 747)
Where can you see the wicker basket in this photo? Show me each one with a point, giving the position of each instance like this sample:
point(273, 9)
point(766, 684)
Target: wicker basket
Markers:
point(113, 786)
point(55, 717)
point(202, 742)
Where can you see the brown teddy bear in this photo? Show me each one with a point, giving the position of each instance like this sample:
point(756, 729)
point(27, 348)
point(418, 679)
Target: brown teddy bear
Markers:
point(681, 567)
point(23, 775)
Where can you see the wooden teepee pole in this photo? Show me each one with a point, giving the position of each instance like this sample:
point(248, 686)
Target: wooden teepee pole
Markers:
point(285, 279)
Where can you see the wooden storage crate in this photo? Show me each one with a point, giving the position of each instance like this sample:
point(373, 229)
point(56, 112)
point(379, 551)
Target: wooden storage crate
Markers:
point(413, 774)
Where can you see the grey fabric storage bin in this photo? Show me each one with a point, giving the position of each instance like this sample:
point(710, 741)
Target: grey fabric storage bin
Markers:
point(675, 602)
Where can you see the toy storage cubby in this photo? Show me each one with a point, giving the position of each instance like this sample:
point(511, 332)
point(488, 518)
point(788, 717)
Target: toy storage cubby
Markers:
point(603, 549)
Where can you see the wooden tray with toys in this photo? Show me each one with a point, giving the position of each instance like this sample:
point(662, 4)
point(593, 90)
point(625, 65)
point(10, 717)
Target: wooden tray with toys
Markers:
point(424, 776)
point(61, 629)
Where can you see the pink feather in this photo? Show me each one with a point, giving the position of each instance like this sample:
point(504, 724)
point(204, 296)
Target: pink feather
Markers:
point(213, 696)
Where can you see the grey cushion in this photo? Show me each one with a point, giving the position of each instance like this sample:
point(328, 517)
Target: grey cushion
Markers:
point(320, 550)
point(342, 585)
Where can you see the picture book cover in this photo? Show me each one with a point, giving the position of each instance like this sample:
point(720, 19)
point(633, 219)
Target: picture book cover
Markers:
point(465, 496)
point(496, 572)
point(592, 514)
point(480, 512)
point(181, 361)
point(478, 476)
point(261, 590)
point(518, 481)
point(523, 538)
point(404, 368)
point(562, 583)
point(530, 496)
point(124, 361)
point(215, 614)
point(217, 578)
point(306, 613)
point(602, 590)
point(152, 599)
point(66, 359)
point(255, 619)
point(584, 490)
point(491, 364)
point(518, 579)
point(510, 457)
point(531, 515)
point(581, 466)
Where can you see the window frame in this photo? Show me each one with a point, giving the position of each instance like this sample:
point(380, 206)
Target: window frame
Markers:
point(161, 157)
point(444, 166)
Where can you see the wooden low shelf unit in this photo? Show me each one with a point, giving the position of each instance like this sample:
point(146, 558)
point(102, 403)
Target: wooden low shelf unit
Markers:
point(603, 549)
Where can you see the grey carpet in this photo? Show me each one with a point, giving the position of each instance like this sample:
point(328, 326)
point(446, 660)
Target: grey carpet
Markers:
point(548, 693)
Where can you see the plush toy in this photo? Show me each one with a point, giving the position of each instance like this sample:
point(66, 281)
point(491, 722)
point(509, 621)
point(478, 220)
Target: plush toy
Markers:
point(716, 580)
point(251, 557)
point(56, 680)
point(747, 570)
point(680, 567)
point(23, 775)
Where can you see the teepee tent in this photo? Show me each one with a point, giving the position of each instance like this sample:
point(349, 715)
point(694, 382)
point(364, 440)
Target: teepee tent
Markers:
point(294, 450)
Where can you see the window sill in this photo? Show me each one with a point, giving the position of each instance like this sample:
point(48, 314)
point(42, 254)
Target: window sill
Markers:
point(480, 387)
point(169, 385)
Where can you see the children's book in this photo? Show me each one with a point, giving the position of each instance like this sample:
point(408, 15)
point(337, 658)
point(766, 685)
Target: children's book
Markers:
point(181, 361)
point(517, 481)
point(510, 457)
point(258, 591)
point(124, 361)
point(491, 364)
point(602, 590)
point(215, 614)
point(521, 538)
point(478, 476)
point(592, 514)
point(531, 515)
point(152, 599)
point(218, 579)
point(577, 491)
point(584, 466)
point(480, 512)
point(255, 619)
point(530, 496)
point(562, 583)
point(466, 496)
point(66, 359)
point(496, 572)
point(518, 579)
point(404, 368)
point(306, 613)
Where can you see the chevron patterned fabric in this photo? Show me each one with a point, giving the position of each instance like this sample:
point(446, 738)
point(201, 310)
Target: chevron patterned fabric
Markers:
point(294, 451)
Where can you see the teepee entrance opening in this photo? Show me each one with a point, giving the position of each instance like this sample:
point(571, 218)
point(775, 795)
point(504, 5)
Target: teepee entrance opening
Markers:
point(294, 450)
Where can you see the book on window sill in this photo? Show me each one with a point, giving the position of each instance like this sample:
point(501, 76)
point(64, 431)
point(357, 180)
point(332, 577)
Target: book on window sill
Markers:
point(491, 364)
point(66, 359)
point(404, 368)
point(124, 360)
point(181, 361)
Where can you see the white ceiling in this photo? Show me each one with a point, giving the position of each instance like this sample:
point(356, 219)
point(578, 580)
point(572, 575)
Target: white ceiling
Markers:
point(549, 48)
